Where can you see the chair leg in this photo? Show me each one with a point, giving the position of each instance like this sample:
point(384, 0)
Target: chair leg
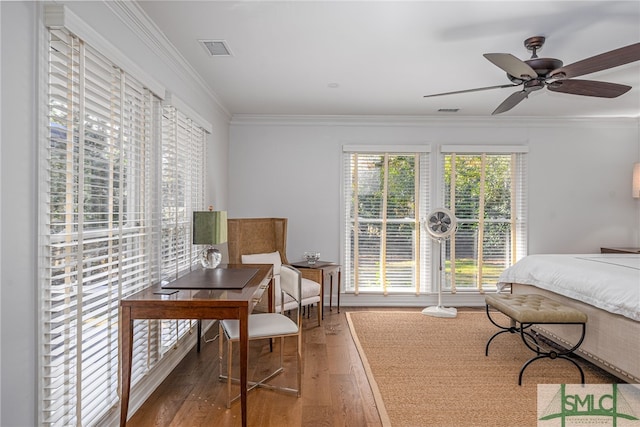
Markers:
point(263, 383)
point(299, 361)
point(221, 375)
point(220, 349)
point(282, 353)
point(320, 309)
point(229, 367)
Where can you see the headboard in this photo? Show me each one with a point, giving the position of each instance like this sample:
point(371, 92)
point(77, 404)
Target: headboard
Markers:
point(256, 236)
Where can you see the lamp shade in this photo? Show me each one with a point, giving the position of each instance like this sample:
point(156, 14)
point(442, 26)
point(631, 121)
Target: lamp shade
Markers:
point(209, 227)
point(635, 191)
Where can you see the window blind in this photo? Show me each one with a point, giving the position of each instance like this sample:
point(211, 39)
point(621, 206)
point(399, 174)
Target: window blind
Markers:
point(183, 154)
point(487, 192)
point(98, 239)
point(122, 177)
point(385, 197)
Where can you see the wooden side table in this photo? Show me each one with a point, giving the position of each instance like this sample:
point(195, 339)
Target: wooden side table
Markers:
point(328, 269)
point(620, 250)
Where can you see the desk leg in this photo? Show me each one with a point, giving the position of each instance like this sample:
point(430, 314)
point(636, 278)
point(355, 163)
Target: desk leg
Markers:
point(199, 334)
point(244, 361)
point(330, 290)
point(272, 296)
point(126, 340)
point(339, 278)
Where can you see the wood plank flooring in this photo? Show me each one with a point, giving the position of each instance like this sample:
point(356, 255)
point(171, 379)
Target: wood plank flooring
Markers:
point(335, 390)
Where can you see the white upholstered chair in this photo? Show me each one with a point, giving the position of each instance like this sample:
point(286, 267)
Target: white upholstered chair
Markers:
point(264, 241)
point(266, 326)
point(310, 289)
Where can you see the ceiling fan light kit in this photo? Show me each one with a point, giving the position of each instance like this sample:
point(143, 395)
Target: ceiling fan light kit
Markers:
point(537, 73)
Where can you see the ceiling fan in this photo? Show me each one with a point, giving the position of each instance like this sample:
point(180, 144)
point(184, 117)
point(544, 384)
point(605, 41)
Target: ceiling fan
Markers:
point(537, 73)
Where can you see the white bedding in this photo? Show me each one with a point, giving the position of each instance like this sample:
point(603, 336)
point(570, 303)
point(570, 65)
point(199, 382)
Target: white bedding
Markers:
point(607, 281)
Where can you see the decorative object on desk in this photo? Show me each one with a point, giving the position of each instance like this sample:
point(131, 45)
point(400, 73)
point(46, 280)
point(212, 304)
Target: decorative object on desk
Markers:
point(441, 224)
point(210, 228)
point(636, 181)
point(312, 257)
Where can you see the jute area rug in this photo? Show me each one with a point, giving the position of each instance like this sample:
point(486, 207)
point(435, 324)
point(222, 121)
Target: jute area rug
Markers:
point(428, 371)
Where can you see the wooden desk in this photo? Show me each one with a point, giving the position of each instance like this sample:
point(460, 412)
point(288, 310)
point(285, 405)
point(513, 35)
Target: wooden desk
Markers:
point(192, 304)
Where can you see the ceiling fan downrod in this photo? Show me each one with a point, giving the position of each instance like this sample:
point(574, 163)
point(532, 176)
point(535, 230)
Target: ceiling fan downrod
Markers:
point(534, 44)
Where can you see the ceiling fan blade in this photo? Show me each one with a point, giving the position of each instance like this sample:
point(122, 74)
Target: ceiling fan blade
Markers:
point(589, 88)
point(470, 90)
point(513, 100)
point(604, 61)
point(512, 65)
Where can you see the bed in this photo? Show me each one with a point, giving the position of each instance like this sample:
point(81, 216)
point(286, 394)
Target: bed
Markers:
point(604, 286)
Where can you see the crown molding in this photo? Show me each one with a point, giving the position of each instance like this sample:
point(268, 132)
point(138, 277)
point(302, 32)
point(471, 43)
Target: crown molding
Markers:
point(136, 19)
point(430, 121)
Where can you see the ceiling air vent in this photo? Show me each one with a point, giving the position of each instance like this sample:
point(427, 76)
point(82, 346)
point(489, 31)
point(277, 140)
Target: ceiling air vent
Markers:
point(216, 47)
point(448, 110)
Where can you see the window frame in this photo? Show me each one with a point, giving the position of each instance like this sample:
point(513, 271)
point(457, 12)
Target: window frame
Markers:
point(518, 209)
point(434, 193)
point(422, 247)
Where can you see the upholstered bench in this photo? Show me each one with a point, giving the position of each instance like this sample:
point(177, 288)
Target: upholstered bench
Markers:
point(527, 310)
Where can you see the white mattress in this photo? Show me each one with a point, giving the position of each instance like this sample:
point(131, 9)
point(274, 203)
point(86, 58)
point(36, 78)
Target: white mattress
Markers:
point(607, 281)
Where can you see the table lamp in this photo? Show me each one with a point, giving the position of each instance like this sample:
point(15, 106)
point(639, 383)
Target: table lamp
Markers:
point(210, 228)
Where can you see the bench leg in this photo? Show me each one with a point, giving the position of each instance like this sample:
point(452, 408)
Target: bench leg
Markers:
point(512, 330)
point(552, 354)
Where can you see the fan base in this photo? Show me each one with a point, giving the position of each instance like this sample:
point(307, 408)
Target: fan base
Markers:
point(439, 311)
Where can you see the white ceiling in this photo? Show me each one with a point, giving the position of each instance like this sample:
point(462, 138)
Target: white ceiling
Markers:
point(383, 56)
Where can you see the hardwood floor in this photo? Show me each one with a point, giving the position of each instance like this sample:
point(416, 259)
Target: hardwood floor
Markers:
point(335, 390)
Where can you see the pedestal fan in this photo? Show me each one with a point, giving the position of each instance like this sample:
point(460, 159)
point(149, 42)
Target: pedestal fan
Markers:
point(441, 224)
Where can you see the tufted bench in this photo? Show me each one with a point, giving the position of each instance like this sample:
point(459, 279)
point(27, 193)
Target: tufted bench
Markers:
point(526, 310)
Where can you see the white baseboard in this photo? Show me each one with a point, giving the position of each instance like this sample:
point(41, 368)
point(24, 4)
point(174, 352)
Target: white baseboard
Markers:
point(460, 299)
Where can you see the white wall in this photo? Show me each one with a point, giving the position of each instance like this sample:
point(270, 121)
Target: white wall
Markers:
point(579, 174)
point(20, 26)
point(18, 216)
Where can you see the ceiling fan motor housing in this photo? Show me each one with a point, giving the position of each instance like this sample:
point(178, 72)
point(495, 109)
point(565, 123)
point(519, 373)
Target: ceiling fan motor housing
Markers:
point(542, 67)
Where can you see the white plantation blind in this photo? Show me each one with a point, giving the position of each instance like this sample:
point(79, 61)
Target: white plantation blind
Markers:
point(183, 156)
point(485, 188)
point(122, 178)
point(99, 230)
point(385, 197)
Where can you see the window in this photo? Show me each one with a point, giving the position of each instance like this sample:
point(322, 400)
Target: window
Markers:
point(183, 152)
point(117, 200)
point(385, 195)
point(486, 191)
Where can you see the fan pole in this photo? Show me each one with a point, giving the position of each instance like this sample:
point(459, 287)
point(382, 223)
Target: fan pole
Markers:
point(439, 310)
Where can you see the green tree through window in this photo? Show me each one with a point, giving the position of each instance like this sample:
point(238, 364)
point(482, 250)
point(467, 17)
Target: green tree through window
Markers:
point(383, 236)
point(386, 198)
point(482, 190)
